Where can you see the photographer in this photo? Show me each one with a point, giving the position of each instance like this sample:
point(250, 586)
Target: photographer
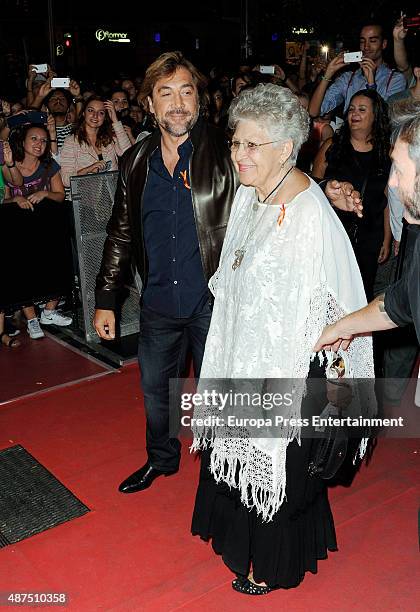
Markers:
point(372, 74)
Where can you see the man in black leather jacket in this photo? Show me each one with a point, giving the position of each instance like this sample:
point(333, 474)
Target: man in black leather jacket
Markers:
point(170, 213)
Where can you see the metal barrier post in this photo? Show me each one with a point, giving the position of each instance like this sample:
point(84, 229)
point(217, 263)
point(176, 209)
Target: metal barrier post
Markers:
point(93, 197)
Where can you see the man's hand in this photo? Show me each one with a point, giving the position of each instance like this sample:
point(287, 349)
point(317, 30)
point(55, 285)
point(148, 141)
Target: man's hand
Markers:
point(74, 88)
point(332, 339)
point(104, 323)
point(45, 88)
point(368, 67)
point(51, 127)
point(334, 66)
point(279, 73)
point(342, 195)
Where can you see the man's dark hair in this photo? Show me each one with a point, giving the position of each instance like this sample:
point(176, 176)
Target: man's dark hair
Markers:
point(66, 93)
point(165, 66)
point(374, 24)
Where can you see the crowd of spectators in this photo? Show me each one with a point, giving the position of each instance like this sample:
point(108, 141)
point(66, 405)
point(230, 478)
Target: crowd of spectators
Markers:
point(52, 134)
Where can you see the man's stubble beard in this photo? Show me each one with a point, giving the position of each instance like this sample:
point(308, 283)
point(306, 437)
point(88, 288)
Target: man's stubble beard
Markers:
point(412, 202)
point(178, 131)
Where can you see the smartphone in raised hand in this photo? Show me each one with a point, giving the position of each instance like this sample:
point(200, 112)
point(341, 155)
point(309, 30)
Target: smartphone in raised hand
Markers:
point(60, 82)
point(354, 56)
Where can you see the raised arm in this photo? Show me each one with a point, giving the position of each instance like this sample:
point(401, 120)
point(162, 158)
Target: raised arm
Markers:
point(399, 34)
point(336, 91)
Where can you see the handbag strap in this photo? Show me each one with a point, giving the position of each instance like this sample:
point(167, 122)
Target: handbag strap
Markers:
point(366, 177)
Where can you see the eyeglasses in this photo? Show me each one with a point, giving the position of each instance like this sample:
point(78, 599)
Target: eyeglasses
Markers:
point(249, 147)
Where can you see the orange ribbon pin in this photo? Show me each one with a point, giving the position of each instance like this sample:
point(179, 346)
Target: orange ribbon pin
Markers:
point(183, 174)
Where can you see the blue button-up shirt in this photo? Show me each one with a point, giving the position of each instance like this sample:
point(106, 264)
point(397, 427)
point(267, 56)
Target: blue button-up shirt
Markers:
point(388, 82)
point(176, 285)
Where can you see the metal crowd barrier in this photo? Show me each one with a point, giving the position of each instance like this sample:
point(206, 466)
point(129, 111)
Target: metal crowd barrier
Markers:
point(93, 197)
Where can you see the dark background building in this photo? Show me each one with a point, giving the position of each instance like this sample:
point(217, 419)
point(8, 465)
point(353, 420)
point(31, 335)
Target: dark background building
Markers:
point(219, 33)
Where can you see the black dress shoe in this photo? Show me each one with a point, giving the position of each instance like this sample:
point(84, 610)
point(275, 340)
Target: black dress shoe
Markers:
point(142, 479)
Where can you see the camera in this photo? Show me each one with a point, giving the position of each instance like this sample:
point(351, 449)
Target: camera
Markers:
point(26, 117)
point(40, 68)
point(355, 56)
point(267, 69)
point(60, 82)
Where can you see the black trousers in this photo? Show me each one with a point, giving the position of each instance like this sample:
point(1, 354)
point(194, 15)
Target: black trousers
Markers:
point(164, 343)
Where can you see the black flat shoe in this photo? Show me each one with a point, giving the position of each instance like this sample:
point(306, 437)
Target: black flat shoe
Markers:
point(142, 479)
point(243, 585)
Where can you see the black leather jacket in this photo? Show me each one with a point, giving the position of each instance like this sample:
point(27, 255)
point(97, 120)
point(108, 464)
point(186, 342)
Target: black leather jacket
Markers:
point(213, 186)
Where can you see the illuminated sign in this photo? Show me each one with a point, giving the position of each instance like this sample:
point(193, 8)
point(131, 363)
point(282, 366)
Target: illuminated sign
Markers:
point(303, 30)
point(102, 35)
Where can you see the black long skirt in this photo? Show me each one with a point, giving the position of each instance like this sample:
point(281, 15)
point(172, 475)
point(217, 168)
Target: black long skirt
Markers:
point(279, 552)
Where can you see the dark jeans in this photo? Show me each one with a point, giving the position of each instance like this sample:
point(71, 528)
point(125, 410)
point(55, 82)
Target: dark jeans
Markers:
point(163, 346)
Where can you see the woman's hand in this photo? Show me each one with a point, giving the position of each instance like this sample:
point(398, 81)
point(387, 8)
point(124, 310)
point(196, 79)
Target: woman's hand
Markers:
point(23, 203)
point(36, 198)
point(98, 166)
point(128, 131)
point(5, 107)
point(7, 152)
point(111, 110)
point(384, 252)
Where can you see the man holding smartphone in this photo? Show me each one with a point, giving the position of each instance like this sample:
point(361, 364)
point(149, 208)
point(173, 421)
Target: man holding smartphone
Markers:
point(372, 74)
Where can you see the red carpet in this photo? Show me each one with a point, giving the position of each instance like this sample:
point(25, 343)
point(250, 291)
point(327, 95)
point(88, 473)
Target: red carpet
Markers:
point(42, 364)
point(135, 552)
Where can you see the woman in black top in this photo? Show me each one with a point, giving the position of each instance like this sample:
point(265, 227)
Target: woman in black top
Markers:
point(359, 153)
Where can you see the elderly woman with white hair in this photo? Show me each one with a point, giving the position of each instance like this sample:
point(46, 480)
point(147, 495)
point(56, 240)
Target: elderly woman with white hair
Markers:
point(286, 268)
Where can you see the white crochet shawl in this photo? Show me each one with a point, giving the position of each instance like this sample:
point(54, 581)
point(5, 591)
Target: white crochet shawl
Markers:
point(294, 279)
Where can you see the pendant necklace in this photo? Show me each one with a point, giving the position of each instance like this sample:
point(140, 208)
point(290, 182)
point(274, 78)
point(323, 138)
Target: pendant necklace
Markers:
point(239, 253)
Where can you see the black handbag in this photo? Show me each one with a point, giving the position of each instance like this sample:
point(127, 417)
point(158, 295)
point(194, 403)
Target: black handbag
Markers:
point(331, 450)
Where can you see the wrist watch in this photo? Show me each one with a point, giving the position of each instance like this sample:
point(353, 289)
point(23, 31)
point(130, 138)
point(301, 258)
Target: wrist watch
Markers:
point(78, 99)
point(11, 165)
point(370, 85)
